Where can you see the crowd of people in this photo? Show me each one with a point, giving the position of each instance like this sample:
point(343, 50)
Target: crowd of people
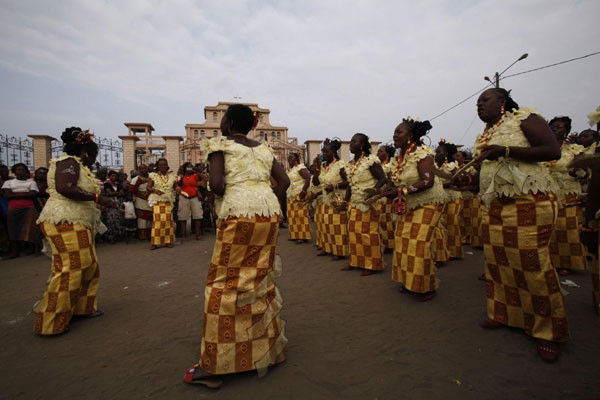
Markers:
point(517, 196)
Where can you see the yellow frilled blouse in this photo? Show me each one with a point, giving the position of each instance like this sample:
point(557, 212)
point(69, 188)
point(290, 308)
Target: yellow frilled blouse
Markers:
point(248, 189)
point(296, 181)
point(60, 209)
point(449, 168)
point(360, 179)
point(559, 171)
point(591, 149)
point(510, 177)
point(165, 185)
point(312, 188)
point(410, 176)
point(330, 175)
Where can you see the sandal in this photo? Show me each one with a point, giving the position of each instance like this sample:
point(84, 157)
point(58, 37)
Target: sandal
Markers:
point(170, 245)
point(347, 268)
point(403, 289)
point(199, 237)
point(207, 381)
point(321, 254)
point(426, 296)
point(547, 350)
point(92, 315)
point(337, 258)
point(367, 272)
point(564, 271)
point(153, 247)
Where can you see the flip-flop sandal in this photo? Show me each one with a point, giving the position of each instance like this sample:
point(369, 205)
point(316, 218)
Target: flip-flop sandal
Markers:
point(211, 383)
point(426, 297)
point(547, 353)
point(491, 324)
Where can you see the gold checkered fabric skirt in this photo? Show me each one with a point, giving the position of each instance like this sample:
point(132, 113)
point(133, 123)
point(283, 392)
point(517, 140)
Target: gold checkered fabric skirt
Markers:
point(298, 221)
point(454, 237)
point(477, 212)
point(439, 249)
point(335, 231)
point(387, 224)
point(413, 263)
point(319, 228)
point(163, 228)
point(242, 327)
point(566, 250)
point(466, 220)
point(364, 240)
point(522, 287)
point(73, 287)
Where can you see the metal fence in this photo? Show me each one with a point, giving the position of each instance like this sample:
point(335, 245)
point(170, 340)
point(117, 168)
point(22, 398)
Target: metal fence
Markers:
point(110, 152)
point(14, 150)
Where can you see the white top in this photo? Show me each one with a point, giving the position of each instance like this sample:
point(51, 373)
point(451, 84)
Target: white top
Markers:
point(129, 209)
point(19, 186)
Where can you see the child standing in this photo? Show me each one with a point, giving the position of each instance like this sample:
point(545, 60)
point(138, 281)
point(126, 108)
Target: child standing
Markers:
point(130, 218)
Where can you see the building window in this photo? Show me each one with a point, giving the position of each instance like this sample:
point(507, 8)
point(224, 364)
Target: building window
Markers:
point(215, 133)
point(202, 135)
point(215, 116)
point(195, 134)
point(260, 118)
point(278, 135)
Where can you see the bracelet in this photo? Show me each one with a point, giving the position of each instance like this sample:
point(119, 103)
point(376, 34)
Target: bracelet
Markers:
point(96, 197)
point(404, 192)
point(506, 152)
point(470, 180)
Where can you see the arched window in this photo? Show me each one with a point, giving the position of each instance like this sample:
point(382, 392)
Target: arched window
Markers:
point(202, 135)
point(195, 133)
point(215, 116)
point(278, 135)
point(215, 133)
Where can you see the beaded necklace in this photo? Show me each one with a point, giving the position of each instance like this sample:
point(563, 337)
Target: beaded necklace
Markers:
point(487, 134)
point(402, 161)
point(326, 167)
point(354, 165)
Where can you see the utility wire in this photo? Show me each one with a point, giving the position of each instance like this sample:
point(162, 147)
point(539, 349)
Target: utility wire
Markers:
point(551, 65)
point(458, 104)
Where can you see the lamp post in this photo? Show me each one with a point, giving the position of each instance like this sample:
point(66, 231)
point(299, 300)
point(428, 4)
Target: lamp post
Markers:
point(498, 75)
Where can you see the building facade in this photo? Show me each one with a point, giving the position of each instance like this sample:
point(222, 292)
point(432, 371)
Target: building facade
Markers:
point(275, 136)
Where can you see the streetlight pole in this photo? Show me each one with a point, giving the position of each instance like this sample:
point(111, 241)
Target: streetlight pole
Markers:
point(497, 75)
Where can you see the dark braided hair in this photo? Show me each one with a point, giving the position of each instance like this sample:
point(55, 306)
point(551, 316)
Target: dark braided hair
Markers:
point(418, 129)
point(241, 117)
point(566, 120)
point(73, 147)
point(450, 150)
point(334, 145)
point(390, 150)
point(511, 105)
point(297, 157)
point(366, 146)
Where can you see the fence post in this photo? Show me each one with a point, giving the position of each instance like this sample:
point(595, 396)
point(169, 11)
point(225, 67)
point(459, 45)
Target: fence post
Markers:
point(42, 150)
point(129, 157)
point(172, 151)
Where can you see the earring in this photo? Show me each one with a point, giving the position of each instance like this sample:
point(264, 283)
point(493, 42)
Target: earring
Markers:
point(502, 110)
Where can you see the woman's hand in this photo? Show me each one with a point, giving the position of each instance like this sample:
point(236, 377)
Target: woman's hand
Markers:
point(158, 192)
point(107, 202)
point(372, 192)
point(390, 191)
point(492, 152)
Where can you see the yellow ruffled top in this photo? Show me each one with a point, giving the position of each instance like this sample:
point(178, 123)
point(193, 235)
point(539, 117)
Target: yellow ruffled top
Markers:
point(389, 167)
point(165, 185)
point(591, 149)
point(449, 168)
point(60, 209)
point(360, 179)
point(410, 175)
point(248, 189)
point(559, 171)
point(330, 175)
point(510, 177)
point(296, 181)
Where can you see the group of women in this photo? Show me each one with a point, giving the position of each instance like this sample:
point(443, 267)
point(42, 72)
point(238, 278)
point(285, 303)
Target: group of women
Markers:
point(516, 215)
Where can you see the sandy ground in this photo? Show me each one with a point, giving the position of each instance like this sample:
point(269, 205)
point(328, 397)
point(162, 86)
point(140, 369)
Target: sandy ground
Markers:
point(349, 337)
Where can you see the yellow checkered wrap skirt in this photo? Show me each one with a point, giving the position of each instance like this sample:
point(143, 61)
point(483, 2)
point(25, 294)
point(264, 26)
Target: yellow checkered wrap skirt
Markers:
point(163, 228)
point(387, 224)
point(73, 287)
point(363, 238)
point(242, 327)
point(298, 221)
point(476, 213)
point(439, 250)
point(522, 287)
point(335, 231)
point(319, 228)
point(566, 250)
point(466, 220)
point(454, 237)
point(413, 263)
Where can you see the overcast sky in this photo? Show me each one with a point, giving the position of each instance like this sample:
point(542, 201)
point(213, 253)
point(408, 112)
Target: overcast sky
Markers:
point(323, 67)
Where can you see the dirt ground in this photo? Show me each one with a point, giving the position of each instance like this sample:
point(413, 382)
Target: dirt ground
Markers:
point(350, 337)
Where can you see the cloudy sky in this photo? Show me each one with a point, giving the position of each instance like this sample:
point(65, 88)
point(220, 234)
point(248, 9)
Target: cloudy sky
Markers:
point(323, 67)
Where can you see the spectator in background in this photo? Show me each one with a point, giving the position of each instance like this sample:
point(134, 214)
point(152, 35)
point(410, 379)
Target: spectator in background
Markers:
point(139, 188)
point(22, 215)
point(4, 240)
point(130, 219)
point(113, 217)
point(190, 204)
